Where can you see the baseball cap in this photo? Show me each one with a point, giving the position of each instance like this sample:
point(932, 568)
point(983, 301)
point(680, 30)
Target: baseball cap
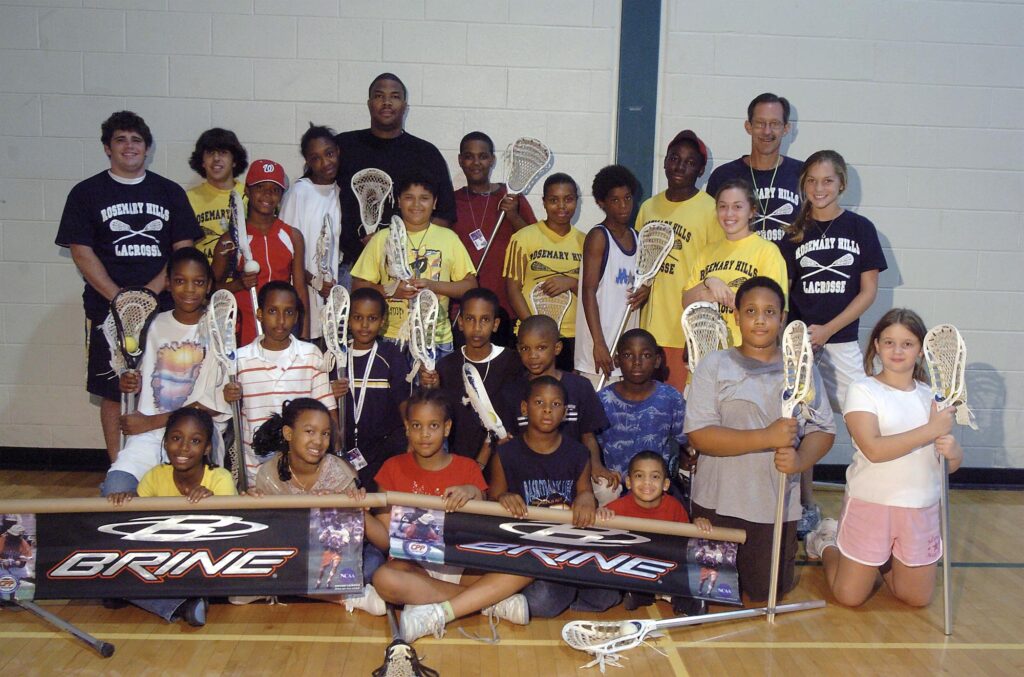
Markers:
point(266, 170)
point(689, 135)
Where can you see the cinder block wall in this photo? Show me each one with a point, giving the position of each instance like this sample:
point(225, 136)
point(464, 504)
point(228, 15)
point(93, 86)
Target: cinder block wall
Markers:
point(924, 101)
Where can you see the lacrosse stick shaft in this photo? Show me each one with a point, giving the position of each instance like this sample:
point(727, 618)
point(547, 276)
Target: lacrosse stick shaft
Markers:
point(490, 241)
point(739, 614)
point(342, 372)
point(773, 584)
point(947, 596)
point(254, 298)
point(239, 458)
point(615, 340)
point(105, 649)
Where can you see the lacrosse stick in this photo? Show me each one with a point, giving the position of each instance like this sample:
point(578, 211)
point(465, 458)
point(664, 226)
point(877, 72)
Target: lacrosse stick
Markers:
point(322, 258)
point(400, 659)
point(784, 209)
point(705, 332)
point(422, 326)
point(239, 233)
point(133, 309)
point(525, 160)
point(219, 320)
point(552, 306)
point(334, 320)
point(606, 640)
point(477, 397)
point(945, 355)
point(372, 187)
point(808, 262)
point(396, 255)
point(797, 361)
point(652, 246)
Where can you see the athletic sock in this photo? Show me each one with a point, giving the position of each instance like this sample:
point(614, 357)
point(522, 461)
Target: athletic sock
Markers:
point(449, 612)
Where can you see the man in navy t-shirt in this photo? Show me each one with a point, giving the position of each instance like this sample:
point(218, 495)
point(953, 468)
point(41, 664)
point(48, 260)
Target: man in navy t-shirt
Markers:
point(775, 177)
point(121, 226)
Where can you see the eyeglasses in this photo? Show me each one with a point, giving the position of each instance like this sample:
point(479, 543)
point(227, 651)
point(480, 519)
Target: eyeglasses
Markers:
point(761, 125)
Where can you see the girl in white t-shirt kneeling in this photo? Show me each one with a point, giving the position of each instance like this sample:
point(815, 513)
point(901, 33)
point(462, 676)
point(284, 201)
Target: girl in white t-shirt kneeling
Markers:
point(890, 516)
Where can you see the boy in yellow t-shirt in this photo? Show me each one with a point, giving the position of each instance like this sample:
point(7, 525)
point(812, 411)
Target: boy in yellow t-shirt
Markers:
point(437, 257)
point(691, 212)
point(219, 158)
point(549, 253)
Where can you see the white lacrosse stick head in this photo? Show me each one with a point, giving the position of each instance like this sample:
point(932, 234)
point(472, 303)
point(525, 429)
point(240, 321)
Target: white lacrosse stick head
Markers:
point(605, 640)
point(654, 243)
point(396, 250)
point(554, 307)
point(334, 320)
point(322, 257)
point(117, 362)
point(797, 363)
point(705, 331)
point(945, 356)
point(236, 209)
point(220, 320)
point(423, 310)
point(478, 398)
point(132, 310)
point(372, 187)
point(525, 159)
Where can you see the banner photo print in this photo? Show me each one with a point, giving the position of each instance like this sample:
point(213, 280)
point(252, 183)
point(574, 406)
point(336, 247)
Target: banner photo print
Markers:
point(17, 556)
point(596, 556)
point(174, 554)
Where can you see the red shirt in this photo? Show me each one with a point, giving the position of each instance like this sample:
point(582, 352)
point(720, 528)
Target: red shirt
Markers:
point(670, 509)
point(477, 212)
point(274, 252)
point(403, 473)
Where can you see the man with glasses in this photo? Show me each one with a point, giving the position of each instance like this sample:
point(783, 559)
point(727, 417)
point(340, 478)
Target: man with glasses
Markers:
point(775, 177)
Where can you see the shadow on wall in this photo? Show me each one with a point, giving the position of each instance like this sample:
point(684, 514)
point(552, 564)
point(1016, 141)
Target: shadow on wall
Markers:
point(986, 395)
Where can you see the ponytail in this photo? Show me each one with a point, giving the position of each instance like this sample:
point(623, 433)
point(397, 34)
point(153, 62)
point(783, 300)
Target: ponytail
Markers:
point(269, 438)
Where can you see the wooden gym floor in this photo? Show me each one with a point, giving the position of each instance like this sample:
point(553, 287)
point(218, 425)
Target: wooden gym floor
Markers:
point(883, 637)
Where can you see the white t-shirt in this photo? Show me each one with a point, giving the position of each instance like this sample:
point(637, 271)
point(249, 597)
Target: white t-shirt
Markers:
point(911, 481)
point(303, 207)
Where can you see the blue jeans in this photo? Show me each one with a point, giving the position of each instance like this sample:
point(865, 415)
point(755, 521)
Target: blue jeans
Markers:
point(373, 558)
point(548, 599)
point(118, 482)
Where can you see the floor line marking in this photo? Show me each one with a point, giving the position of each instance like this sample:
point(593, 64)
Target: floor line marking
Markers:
point(668, 646)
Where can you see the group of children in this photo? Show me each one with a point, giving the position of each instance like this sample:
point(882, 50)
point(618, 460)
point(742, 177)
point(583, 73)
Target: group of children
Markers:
point(569, 446)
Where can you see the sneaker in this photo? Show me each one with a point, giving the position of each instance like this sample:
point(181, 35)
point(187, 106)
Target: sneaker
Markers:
point(513, 609)
point(808, 521)
point(194, 611)
point(821, 538)
point(241, 600)
point(369, 601)
point(634, 600)
point(418, 620)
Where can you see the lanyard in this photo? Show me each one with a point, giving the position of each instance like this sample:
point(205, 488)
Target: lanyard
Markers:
point(358, 402)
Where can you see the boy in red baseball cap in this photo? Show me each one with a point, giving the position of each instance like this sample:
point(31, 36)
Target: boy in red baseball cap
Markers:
point(275, 245)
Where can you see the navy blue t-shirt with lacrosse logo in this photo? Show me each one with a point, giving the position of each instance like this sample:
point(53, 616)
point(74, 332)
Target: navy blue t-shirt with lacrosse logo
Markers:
point(825, 267)
point(131, 227)
point(777, 191)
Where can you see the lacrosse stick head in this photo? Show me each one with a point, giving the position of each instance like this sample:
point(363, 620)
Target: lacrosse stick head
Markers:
point(945, 356)
point(478, 398)
point(525, 159)
point(797, 363)
point(221, 319)
point(705, 331)
point(372, 187)
point(400, 660)
point(236, 225)
point(653, 244)
point(554, 307)
point(322, 257)
point(396, 250)
point(334, 320)
point(133, 309)
point(423, 310)
point(605, 640)
point(117, 362)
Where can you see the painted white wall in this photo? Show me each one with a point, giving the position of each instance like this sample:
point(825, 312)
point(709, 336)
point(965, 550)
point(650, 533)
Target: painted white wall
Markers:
point(924, 101)
point(263, 68)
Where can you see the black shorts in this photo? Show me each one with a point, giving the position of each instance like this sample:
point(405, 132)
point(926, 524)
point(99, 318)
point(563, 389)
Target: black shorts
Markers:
point(100, 379)
point(754, 558)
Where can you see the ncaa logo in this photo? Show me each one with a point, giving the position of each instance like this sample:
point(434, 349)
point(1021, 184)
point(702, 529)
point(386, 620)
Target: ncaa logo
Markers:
point(566, 534)
point(182, 528)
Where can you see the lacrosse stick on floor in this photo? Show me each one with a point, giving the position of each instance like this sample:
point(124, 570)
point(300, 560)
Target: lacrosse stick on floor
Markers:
point(371, 187)
point(334, 322)
point(798, 388)
point(400, 659)
point(422, 329)
point(132, 310)
point(554, 307)
point(221, 316)
point(246, 263)
point(652, 246)
point(945, 355)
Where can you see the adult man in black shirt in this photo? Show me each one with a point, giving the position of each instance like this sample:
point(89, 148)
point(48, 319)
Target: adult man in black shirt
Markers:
point(388, 147)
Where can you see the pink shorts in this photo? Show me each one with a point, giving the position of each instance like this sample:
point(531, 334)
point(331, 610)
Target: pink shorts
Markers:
point(870, 533)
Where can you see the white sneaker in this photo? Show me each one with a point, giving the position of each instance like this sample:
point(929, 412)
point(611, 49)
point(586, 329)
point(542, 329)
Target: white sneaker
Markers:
point(369, 601)
point(513, 609)
point(822, 537)
point(418, 620)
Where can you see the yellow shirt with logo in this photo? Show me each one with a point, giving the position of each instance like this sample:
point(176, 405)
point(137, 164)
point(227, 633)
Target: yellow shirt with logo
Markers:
point(159, 481)
point(734, 262)
point(696, 226)
point(537, 253)
point(210, 205)
point(438, 255)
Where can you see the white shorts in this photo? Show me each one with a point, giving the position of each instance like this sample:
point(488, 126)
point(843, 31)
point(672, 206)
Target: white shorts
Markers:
point(840, 364)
